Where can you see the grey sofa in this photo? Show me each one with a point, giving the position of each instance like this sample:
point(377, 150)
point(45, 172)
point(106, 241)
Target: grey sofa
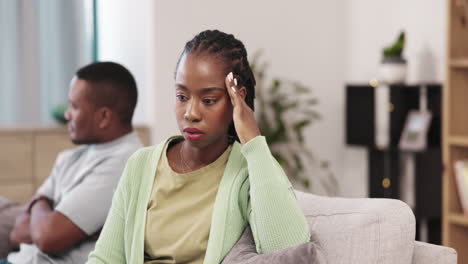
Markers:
point(368, 231)
point(374, 231)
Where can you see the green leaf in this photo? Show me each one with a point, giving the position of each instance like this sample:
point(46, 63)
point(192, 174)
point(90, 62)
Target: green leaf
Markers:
point(260, 75)
point(279, 134)
point(290, 105)
point(253, 66)
point(298, 127)
point(298, 161)
point(279, 158)
point(396, 49)
point(299, 88)
point(301, 124)
point(275, 86)
point(306, 183)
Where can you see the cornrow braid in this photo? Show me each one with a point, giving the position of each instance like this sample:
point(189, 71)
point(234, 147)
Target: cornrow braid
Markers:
point(232, 51)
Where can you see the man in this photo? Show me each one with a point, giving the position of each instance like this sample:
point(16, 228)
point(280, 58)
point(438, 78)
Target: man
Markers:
point(62, 221)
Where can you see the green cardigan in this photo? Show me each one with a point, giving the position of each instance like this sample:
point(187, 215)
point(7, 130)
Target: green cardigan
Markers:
point(253, 191)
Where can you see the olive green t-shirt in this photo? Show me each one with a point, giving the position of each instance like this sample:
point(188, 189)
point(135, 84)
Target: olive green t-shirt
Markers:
point(179, 212)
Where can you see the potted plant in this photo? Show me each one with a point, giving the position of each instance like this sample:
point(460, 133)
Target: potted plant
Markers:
point(58, 113)
point(284, 110)
point(393, 67)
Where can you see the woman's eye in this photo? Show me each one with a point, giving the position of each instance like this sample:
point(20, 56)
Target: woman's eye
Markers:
point(209, 101)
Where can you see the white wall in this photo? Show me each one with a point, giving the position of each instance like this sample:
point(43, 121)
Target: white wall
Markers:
point(125, 33)
point(372, 25)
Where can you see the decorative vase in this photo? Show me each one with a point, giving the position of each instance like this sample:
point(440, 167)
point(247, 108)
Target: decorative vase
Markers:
point(392, 70)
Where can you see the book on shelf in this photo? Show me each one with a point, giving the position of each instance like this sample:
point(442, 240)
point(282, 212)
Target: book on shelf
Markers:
point(461, 179)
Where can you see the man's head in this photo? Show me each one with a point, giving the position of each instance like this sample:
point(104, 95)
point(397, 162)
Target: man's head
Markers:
point(102, 99)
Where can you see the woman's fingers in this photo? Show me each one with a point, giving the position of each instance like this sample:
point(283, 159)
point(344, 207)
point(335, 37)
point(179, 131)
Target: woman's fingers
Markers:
point(231, 85)
point(243, 117)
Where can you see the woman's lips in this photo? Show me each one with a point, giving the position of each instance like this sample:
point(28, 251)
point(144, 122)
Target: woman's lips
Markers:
point(193, 134)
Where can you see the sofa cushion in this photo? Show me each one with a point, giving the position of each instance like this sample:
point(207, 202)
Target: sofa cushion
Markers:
point(244, 252)
point(360, 230)
point(8, 212)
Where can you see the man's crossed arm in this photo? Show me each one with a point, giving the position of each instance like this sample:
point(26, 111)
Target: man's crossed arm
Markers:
point(51, 231)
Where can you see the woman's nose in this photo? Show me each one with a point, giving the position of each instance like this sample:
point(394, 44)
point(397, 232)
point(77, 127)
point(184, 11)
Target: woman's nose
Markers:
point(192, 112)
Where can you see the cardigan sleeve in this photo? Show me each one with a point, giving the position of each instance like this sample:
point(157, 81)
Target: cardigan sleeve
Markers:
point(274, 215)
point(110, 247)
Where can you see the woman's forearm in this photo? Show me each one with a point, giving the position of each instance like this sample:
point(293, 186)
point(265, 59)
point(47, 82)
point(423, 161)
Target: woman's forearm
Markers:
point(275, 217)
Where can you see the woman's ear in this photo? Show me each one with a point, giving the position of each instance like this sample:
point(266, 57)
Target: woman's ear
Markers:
point(242, 92)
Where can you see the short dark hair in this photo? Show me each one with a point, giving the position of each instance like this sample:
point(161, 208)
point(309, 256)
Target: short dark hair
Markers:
point(232, 51)
point(116, 88)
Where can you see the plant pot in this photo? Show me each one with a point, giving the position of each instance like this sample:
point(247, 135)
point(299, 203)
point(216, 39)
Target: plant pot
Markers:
point(392, 70)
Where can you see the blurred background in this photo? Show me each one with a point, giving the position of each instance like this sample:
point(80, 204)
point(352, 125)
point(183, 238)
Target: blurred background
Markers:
point(325, 47)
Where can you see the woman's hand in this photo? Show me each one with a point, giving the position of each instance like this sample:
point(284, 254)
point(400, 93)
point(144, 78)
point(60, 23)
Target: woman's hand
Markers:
point(243, 116)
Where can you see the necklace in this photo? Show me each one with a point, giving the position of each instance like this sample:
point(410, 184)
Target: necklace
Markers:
point(183, 161)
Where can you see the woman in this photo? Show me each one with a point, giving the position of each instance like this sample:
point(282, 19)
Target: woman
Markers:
point(188, 199)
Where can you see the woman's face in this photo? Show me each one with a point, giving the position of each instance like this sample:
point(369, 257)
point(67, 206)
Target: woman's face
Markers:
point(203, 107)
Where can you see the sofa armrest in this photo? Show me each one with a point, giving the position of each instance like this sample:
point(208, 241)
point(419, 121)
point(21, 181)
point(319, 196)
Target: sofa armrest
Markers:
point(427, 253)
point(363, 230)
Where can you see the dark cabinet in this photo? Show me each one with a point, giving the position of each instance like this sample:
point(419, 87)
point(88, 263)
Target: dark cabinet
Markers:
point(384, 166)
point(360, 113)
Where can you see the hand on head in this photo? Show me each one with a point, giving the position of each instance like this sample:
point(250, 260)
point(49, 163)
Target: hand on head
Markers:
point(204, 63)
point(243, 116)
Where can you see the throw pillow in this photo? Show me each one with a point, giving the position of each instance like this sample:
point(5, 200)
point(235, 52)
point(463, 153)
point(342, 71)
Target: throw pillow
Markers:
point(244, 252)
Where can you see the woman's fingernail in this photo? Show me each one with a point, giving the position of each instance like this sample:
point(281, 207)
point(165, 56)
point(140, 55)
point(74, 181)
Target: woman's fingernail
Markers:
point(233, 89)
point(230, 76)
point(235, 81)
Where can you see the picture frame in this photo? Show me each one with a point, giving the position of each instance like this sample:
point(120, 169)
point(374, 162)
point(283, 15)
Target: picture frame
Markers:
point(414, 135)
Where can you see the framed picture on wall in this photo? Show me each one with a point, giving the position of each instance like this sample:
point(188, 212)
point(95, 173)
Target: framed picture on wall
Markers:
point(414, 135)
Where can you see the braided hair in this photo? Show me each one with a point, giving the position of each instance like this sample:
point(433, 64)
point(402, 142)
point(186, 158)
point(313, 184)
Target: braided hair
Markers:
point(232, 51)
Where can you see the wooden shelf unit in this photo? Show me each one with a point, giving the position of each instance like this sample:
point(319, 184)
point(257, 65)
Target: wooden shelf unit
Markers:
point(459, 63)
point(458, 219)
point(458, 141)
point(455, 127)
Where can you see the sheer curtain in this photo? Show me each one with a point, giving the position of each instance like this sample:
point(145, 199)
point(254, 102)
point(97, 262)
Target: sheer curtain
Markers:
point(42, 44)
